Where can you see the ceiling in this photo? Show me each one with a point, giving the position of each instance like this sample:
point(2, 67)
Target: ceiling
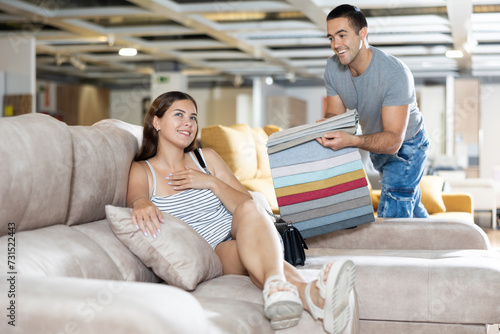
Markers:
point(230, 42)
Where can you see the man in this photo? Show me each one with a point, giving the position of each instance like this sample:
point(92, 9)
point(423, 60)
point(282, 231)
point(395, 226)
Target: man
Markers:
point(381, 89)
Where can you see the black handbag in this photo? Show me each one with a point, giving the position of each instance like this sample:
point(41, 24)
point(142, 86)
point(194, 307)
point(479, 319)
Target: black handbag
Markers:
point(292, 241)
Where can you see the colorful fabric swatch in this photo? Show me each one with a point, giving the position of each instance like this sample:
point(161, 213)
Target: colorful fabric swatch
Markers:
point(319, 190)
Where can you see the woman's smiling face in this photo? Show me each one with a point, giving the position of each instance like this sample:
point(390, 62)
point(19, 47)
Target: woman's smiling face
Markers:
point(179, 124)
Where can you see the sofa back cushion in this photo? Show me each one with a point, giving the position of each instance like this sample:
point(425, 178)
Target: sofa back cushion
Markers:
point(260, 139)
point(61, 250)
point(102, 155)
point(35, 171)
point(270, 129)
point(235, 145)
point(431, 187)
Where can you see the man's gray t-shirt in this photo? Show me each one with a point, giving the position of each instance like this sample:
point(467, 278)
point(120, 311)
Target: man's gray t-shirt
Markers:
point(386, 82)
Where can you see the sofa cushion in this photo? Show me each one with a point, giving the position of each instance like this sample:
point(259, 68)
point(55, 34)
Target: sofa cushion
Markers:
point(270, 129)
point(72, 305)
point(226, 315)
point(263, 167)
point(102, 157)
point(460, 202)
point(407, 233)
point(135, 130)
point(130, 266)
point(235, 145)
point(244, 298)
point(432, 188)
point(35, 171)
point(395, 327)
point(441, 286)
point(179, 255)
point(61, 250)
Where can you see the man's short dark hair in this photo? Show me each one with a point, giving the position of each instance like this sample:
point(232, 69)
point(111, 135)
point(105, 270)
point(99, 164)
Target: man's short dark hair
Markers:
point(356, 18)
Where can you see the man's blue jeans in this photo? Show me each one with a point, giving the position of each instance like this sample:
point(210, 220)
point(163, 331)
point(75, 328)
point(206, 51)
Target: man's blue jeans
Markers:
point(401, 174)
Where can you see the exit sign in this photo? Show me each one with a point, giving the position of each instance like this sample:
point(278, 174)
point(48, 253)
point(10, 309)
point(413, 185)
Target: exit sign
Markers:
point(162, 79)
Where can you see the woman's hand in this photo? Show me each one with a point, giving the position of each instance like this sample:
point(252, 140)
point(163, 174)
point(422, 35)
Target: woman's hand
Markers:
point(147, 217)
point(189, 178)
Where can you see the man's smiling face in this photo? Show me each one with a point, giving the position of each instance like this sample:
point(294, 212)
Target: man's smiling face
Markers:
point(344, 40)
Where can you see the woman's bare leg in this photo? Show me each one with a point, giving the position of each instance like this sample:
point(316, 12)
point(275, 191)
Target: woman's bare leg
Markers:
point(257, 242)
point(256, 251)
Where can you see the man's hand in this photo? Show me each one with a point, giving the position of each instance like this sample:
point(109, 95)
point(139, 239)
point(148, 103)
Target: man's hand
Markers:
point(337, 140)
point(394, 122)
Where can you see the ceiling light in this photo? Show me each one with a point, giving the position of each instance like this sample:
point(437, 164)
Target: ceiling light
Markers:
point(127, 52)
point(269, 81)
point(454, 54)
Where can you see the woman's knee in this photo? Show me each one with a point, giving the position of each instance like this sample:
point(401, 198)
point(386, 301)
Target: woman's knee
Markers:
point(248, 208)
point(249, 214)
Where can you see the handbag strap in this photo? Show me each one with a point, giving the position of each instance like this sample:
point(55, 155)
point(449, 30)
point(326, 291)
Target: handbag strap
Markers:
point(197, 153)
point(201, 161)
point(204, 166)
point(278, 219)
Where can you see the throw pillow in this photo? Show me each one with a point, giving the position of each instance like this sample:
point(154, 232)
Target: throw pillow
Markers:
point(178, 255)
point(432, 197)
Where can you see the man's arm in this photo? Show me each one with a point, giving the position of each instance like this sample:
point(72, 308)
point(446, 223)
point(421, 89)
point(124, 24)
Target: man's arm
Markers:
point(334, 106)
point(394, 121)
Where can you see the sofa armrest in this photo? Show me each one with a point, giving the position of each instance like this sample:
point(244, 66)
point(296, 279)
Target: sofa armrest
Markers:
point(375, 197)
point(458, 202)
point(75, 305)
point(406, 233)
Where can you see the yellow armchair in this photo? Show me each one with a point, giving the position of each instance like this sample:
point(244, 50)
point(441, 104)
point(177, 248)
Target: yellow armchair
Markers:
point(460, 202)
point(439, 204)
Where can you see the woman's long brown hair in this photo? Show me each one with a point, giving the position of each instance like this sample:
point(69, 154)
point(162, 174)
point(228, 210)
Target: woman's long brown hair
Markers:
point(158, 108)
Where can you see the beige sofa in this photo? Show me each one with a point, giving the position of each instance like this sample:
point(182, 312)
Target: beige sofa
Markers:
point(70, 273)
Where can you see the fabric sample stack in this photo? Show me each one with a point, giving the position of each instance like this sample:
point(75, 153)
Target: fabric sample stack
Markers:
point(319, 190)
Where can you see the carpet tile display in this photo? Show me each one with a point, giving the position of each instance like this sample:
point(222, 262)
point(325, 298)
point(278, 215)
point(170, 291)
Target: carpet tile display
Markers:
point(319, 190)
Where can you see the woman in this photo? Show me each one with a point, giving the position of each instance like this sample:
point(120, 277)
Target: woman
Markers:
point(166, 176)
